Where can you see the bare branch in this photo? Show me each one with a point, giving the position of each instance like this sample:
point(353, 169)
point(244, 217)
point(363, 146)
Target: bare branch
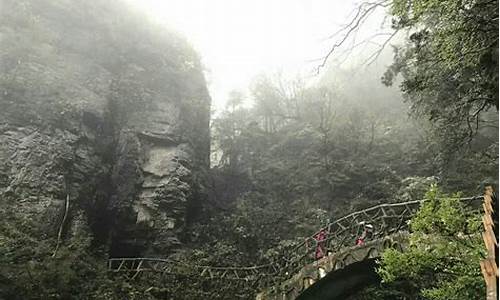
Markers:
point(373, 57)
point(364, 10)
point(366, 41)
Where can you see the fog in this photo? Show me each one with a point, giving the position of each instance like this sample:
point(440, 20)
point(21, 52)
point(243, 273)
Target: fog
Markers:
point(247, 149)
point(238, 40)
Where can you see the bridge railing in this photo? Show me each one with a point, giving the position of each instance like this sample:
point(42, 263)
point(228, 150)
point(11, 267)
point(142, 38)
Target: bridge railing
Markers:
point(386, 219)
point(133, 266)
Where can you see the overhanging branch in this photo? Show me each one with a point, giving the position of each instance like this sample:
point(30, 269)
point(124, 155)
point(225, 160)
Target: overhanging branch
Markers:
point(363, 11)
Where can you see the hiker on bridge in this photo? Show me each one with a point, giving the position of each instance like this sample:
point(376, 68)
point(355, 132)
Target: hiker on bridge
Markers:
point(367, 232)
point(320, 239)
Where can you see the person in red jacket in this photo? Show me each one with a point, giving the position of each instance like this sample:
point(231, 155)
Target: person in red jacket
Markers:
point(320, 239)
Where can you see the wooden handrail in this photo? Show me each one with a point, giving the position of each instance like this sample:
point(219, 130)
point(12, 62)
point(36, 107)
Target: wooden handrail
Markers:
point(489, 267)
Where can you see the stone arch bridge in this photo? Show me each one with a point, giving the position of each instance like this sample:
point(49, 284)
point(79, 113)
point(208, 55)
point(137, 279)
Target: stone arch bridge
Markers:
point(295, 273)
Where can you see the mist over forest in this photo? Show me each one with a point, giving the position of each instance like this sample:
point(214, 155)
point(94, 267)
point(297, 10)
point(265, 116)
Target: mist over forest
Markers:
point(125, 174)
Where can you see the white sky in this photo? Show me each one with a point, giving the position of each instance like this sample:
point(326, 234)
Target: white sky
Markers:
point(239, 39)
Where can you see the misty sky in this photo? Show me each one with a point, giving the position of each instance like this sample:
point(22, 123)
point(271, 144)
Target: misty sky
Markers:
point(238, 39)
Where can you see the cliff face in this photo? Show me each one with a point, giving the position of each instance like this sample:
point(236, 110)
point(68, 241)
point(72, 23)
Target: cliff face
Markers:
point(103, 124)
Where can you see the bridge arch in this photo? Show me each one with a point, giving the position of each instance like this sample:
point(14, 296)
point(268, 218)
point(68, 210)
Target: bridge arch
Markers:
point(342, 268)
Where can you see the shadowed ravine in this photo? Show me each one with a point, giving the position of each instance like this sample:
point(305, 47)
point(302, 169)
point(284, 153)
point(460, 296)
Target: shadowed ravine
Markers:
point(343, 283)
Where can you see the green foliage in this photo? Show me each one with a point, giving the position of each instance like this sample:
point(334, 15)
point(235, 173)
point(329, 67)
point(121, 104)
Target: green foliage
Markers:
point(300, 156)
point(449, 66)
point(28, 268)
point(442, 260)
point(313, 142)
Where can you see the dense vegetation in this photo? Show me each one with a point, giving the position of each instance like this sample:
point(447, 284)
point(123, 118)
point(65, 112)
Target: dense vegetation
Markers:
point(300, 155)
point(449, 66)
point(442, 258)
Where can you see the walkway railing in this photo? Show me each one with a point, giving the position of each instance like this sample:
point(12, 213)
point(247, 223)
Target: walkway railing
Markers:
point(386, 219)
point(133, 266)
point(489, 266)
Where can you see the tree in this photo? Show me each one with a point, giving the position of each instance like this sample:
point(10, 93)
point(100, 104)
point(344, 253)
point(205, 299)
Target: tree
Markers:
point(319, 111)
point(449, 64)
point(442, 259)
point(446, 64)
point(227, 130)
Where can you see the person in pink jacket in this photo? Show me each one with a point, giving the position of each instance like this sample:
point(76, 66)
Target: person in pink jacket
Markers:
point(320, 239)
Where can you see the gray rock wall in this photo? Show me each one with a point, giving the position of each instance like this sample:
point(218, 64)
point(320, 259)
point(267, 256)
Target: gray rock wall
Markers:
point(100, 105)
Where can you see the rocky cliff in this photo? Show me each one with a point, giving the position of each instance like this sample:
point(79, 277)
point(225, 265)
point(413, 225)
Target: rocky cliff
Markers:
point(103, 124)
